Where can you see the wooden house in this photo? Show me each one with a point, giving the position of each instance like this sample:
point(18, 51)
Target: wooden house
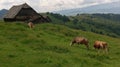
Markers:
point(24, 13)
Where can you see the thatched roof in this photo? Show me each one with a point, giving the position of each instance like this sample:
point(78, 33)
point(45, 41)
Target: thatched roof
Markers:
point(15, 10)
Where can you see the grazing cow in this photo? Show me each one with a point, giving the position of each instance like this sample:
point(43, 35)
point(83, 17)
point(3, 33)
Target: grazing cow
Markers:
point(31, 25)
point(80, 40)
point(101, 45)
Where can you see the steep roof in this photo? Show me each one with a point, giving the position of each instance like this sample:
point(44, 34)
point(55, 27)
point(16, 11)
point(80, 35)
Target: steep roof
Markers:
point(15, 10)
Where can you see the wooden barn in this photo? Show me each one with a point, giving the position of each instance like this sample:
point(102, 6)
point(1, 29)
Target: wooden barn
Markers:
point(24, 13)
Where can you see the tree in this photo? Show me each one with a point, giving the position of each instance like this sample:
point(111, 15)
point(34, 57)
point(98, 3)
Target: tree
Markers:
point(75, 21)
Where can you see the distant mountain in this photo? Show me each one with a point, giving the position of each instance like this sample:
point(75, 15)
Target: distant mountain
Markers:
point(2, 13)
point(102, 8)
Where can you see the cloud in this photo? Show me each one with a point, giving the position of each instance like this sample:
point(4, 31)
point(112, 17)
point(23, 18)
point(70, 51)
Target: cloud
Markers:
point(49, 5)
point(59, 4)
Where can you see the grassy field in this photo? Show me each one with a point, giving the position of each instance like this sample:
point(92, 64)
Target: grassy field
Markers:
point(47, 45)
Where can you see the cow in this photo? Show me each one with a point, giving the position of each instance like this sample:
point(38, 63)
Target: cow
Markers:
point(80, 40)
point(31, 25)
point(101, 45)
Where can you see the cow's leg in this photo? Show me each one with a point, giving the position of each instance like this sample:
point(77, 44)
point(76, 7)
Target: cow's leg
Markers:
point(98, 51)
point(106, 50)
point(87, 46)
point(71, 43)
point(78, 43)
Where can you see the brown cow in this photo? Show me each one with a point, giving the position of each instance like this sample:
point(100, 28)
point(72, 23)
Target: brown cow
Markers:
point(101, 45)
point(80, 40)
point(31, 25)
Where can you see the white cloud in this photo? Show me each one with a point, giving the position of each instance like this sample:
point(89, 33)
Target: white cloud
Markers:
point(52, 5)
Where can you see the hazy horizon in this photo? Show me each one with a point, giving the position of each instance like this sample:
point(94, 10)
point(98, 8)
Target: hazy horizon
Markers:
point(49, 6)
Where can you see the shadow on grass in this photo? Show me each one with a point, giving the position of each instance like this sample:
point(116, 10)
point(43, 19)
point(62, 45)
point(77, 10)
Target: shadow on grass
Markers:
point(12, 56)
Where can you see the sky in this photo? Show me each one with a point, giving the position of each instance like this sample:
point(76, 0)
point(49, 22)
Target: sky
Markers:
point(53, 5)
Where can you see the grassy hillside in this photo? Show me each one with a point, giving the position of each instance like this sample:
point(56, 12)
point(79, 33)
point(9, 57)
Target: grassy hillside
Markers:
point(105, 24)
point(47, 45)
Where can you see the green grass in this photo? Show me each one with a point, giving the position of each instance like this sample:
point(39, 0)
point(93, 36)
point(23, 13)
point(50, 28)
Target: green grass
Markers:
point(47, 45)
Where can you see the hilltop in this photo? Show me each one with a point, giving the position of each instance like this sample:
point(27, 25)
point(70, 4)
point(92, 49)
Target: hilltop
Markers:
point(48, 45)
point(105, 24)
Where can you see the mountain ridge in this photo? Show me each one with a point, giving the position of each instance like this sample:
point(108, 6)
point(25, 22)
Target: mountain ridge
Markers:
point(3, 12)
point(101, 8)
